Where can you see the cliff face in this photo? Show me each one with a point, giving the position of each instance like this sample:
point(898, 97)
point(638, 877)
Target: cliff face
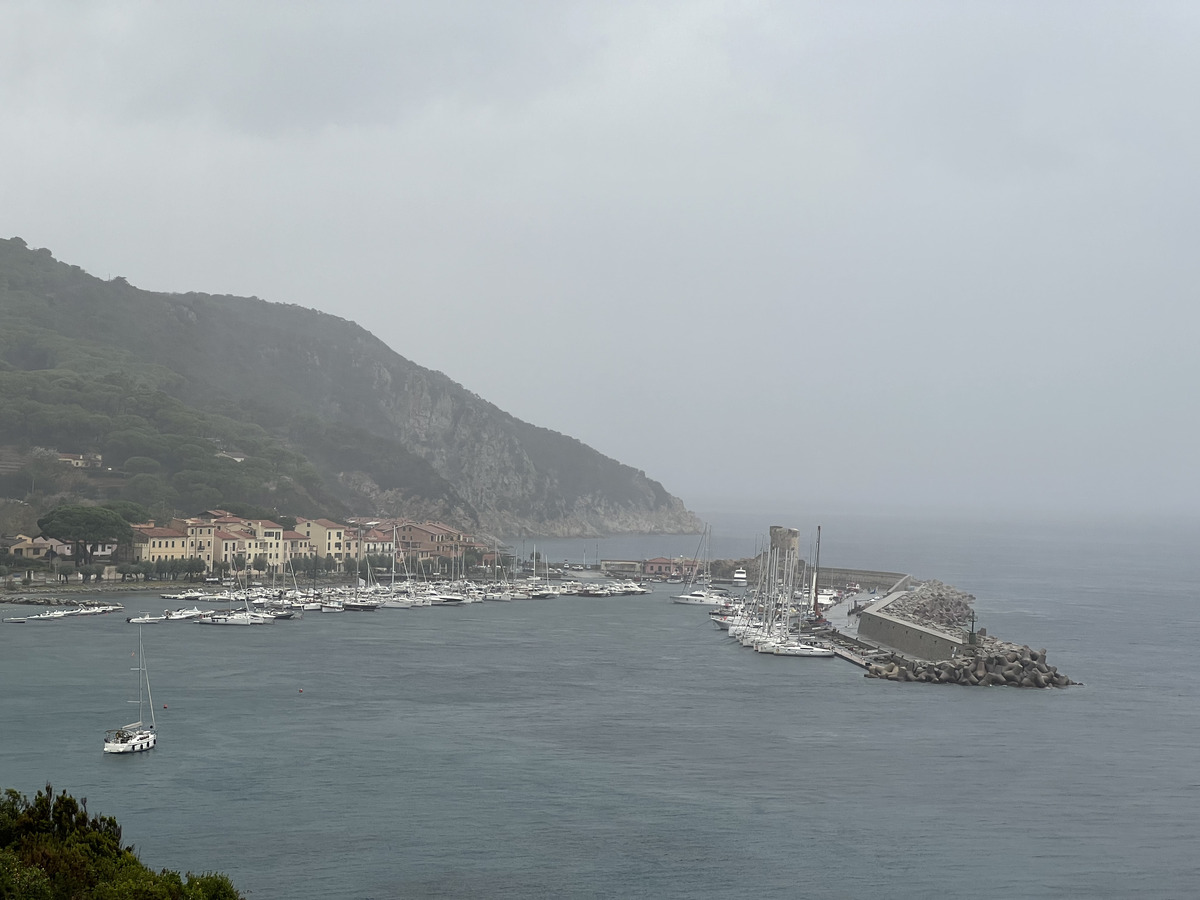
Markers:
point(388, 436)
point(515, 477)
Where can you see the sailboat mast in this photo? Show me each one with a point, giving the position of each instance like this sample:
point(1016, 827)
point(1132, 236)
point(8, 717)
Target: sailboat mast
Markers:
point(144, 675)
point(816, 574)
point(141, 677)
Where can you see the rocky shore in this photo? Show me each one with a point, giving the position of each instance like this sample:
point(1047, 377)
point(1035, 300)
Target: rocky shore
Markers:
point(1003, 666)
point(72, 594)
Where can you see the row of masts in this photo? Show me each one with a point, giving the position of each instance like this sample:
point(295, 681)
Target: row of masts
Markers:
point(783, 574)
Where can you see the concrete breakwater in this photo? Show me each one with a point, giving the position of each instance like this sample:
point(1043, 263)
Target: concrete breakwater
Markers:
point(932, 628)
point(1012, 667)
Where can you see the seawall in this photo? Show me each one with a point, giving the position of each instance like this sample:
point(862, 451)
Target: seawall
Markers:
point(909, 637)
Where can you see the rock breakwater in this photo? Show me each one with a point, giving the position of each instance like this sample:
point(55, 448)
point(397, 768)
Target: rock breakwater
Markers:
point(934, 605)
point(998, 665)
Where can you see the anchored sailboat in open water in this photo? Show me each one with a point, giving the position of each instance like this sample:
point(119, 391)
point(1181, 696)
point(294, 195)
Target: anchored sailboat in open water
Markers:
point(135, 736)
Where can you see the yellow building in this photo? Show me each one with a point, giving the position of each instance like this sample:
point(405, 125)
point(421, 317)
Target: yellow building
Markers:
point(327, 538)
point(150, 544)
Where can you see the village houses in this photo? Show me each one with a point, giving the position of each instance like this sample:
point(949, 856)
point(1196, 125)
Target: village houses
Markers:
point(218, 538)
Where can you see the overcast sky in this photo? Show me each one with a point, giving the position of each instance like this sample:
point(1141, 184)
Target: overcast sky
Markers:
point(837, 254)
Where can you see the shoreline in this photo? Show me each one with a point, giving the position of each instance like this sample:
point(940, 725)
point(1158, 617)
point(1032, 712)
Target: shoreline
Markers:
point(60, 595)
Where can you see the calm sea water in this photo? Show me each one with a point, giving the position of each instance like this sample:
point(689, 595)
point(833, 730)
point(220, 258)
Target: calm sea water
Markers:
point(624, 748)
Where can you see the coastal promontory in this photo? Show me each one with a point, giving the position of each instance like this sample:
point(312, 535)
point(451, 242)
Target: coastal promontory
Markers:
point(196, 400)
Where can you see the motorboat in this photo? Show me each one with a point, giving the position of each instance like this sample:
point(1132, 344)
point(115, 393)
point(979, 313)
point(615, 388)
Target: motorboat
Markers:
point(182, 614)
point(48, 616)
point(235, 618)
point(701, 597)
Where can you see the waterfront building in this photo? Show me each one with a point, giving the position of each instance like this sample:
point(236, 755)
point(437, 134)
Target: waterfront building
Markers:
point(151, 544)
point(622, 568)
point(40, 547)
point(661, 566)
point(326, 538)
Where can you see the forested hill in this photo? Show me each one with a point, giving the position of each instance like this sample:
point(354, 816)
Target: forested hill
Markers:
point(327, 417)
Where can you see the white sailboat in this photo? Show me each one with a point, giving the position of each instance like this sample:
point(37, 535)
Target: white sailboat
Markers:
point(705, 596)
point(135, 736)
point(244, 616)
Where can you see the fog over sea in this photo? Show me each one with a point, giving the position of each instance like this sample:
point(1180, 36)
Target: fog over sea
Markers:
point(624, 747)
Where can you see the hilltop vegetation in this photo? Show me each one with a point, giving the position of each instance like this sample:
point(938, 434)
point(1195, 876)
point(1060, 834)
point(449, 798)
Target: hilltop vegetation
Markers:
point(51, 849)
point(196, 401)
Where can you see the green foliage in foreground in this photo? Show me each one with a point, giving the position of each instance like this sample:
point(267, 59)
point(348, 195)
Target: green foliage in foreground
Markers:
point(51, 849)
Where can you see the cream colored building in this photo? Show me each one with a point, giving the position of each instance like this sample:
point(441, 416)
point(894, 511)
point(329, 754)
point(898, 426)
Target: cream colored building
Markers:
point(325, 537)
point(151, 544)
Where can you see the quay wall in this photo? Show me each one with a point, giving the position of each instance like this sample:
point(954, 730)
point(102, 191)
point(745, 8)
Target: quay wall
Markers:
point(876, 624)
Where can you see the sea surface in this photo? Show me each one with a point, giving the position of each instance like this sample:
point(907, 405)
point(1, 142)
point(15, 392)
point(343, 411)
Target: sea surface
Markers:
point(623, 747)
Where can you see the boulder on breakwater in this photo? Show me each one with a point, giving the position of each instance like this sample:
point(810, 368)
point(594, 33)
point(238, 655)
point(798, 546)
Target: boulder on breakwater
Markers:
point(1001, 665)
point(934, 604)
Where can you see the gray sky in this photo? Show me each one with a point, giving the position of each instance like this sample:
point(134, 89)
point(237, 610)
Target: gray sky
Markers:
point(840, 255)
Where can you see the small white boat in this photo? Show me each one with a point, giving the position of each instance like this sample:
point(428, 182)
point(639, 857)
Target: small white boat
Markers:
point(235, 618)
point(801, 649)
point(182, 614)
point(136, 736)
point(700, 597)
point(145, 620)
point(739, 578)
point(48, 616)
point(396, 602)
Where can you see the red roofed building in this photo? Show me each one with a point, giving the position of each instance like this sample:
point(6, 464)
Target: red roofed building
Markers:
point(327, 538)
point(662, 566)
point(150, 544)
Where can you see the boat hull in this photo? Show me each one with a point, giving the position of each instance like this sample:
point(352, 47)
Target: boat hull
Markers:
point(124, 741)
point(699, 599)
point(804, 650)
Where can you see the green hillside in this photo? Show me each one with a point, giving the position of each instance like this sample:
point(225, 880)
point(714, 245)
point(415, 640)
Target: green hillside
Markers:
point(196, 401)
